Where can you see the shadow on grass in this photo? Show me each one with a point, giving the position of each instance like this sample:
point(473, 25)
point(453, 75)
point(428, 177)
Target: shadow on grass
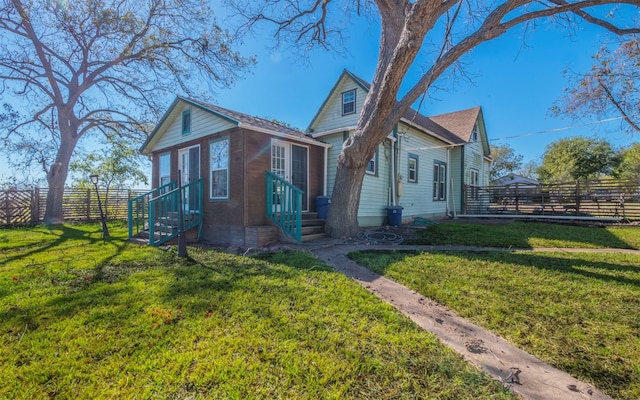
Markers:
point(587, 296)
point(600, 270)
point(207, 276)
point(62, 234)
point(519, 234)
point(67, 280)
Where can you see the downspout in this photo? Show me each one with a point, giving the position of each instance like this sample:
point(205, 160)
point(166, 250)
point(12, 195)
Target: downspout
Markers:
point(463, 199)
point(450, 184)
point(393, 167)
point(324, 172)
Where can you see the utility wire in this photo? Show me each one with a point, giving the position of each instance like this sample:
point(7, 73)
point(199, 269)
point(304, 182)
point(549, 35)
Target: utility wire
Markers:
point(565, 128)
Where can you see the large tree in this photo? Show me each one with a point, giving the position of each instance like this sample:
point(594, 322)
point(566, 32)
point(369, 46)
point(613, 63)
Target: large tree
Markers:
point(505, 161)
point(610, 88)
point(629, 167)
point(577, 158)
point(440, 31)
point(76, 68)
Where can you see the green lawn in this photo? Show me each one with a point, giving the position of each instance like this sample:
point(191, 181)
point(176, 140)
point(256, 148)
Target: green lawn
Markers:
point(578, 312)
point(85, 318)
point(530, 234)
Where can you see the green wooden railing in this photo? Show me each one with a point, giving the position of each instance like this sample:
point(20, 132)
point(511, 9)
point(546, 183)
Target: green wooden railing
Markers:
point(284, 205)
point(159, 212)
point(138, 208)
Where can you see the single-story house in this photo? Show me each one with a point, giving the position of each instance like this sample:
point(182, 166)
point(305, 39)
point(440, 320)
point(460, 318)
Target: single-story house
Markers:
point(257, 178)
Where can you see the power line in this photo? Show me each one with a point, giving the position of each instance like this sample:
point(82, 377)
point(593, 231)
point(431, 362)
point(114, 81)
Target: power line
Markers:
point(565, 128)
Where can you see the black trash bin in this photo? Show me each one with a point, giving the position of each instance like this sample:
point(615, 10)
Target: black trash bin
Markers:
point(322, 206)
point(394, 214)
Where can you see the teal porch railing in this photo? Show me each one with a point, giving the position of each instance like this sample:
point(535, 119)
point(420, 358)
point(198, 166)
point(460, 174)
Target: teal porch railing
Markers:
point(158, 211)
point(284, 205)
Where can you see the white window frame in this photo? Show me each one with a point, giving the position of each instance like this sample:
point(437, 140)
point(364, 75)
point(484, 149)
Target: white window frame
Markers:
point(439, 181)
point(218, 169)
point(412, 157)
point(372, 165)
point(166, 178)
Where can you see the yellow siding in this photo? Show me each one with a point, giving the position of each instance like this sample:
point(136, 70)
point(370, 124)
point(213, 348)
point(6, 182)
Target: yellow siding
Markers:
point(202, 124)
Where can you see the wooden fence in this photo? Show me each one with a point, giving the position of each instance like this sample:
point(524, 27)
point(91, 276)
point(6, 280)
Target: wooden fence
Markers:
point(25, 207)
point(611, 198)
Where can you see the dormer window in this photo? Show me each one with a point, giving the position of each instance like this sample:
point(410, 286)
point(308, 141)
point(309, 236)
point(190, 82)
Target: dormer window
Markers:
point(186, 122)
point(349, 102)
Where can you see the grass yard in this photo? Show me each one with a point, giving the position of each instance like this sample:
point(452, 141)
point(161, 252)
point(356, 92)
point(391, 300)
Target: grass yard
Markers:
point(520, 234)
point(578, 312)
point(85, 318)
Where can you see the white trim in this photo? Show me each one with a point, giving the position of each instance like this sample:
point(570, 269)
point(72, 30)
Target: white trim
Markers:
point(343, 129)
point(332, 131)
point(288, 159)
point(186, 149)
point(283, 135)
point(210, 172)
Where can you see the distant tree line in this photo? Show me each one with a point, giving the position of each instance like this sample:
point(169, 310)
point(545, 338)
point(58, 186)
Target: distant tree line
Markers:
point(570, 159)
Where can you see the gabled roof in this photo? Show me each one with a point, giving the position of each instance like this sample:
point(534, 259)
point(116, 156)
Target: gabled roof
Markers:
point(239, 119)
point(460, 123)
point(363, 84)
point(454, 134)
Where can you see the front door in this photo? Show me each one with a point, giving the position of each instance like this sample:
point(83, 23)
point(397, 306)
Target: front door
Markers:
point(290, 162)
point(189, 165)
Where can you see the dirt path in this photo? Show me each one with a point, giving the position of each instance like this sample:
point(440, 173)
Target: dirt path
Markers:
point(525, 375)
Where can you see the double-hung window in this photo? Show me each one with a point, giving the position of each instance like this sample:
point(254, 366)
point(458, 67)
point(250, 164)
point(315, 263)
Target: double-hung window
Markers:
point(372, 166)
point(439, 180)
point(349, 102)
point(412, 173)
point(219, 169)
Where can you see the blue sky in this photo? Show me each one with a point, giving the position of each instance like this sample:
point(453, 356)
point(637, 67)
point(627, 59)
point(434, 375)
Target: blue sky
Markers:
point(515, 84)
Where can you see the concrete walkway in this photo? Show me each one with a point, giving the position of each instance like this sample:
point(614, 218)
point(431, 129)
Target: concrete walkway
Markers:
point(525, 375)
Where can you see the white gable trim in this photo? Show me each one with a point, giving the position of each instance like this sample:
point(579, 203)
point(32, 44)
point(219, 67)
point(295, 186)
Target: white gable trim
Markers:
point(285, 136)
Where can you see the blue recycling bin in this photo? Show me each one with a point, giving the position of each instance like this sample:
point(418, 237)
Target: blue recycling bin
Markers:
point(322, 206)
point(394, 215)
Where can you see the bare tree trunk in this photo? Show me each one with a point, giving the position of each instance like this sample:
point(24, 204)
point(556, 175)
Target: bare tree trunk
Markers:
point(56, 178)
point(342, 221)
